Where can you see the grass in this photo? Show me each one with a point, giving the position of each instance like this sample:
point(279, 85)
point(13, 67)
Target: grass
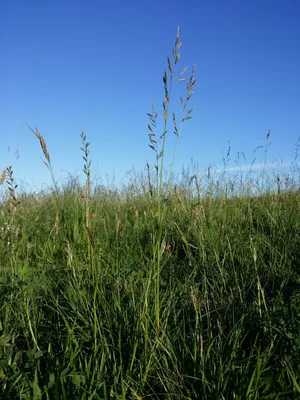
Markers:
point(159, 290)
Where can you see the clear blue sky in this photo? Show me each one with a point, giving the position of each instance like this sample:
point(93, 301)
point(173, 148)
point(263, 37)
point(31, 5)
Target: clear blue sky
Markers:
point(98, 66)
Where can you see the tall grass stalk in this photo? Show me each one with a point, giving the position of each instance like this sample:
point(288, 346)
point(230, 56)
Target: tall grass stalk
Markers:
point(87, 172)
point(160, 242)
point(47, 160)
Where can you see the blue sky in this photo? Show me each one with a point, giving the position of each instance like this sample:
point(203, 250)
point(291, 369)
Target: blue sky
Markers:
point(98, 66)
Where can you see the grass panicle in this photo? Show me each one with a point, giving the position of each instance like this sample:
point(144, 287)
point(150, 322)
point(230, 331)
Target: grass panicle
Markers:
point(3, 176)
point(11, 188)
point(47, 160)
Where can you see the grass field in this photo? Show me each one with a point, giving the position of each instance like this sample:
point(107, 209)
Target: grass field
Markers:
point(160, 290)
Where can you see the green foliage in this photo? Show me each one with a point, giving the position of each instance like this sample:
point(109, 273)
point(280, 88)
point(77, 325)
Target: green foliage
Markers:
point(81, 324)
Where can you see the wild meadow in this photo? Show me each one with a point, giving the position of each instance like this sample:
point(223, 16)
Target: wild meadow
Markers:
point(166, 288)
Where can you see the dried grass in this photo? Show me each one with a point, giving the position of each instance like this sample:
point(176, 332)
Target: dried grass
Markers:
point(3, 176)
point(43, 145)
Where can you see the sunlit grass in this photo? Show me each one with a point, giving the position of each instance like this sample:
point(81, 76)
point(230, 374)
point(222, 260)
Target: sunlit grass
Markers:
point(162, 289)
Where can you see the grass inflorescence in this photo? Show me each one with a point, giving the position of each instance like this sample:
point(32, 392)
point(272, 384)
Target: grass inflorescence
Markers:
point(163, 289)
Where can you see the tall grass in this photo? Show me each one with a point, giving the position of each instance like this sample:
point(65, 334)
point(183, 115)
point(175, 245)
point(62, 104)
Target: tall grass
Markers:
point(183, 288)
point(159, 237)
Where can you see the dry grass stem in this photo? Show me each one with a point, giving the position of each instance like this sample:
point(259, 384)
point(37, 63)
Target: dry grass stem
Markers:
point(3, 176)
point(42, 143)
point(91, 236)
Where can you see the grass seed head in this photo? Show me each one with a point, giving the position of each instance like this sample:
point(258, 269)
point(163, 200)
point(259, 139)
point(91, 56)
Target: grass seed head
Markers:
point(3, 176)
point(42, 143)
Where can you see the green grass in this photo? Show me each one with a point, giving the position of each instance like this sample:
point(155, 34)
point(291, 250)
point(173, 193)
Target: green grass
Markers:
point(188, 290)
